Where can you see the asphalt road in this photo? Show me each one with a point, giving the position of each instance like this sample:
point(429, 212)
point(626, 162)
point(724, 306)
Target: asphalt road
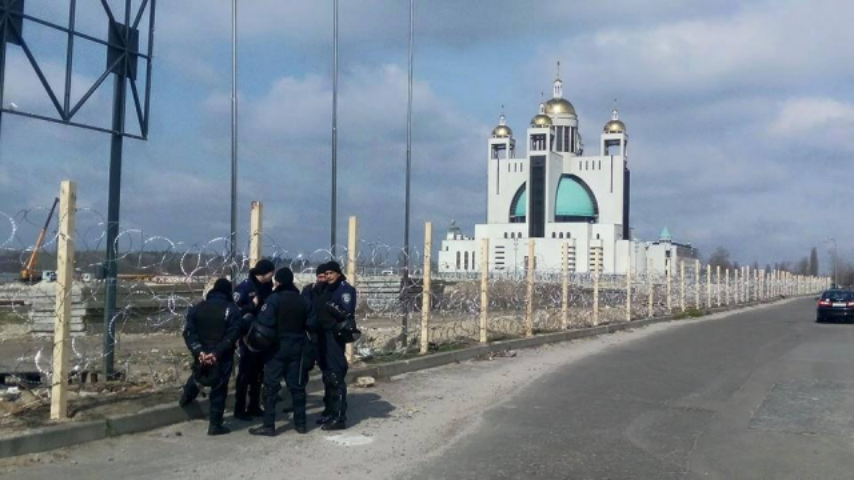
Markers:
point(765, 393)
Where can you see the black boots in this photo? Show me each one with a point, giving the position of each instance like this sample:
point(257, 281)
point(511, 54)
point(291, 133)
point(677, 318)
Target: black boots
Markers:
point(263, 431)
point(217, 429)
point(301, 428)
point(243, 417)
point(246, 416)
point(186, 399)
point(188, 393)
point(335, 424)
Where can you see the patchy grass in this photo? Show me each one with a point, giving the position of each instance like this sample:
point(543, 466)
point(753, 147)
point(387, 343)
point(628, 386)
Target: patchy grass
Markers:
point(9, 318)
point(414, 353)
point(690, 313)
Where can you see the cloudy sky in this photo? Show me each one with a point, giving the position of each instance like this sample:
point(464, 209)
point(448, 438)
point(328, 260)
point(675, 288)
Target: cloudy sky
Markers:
point(739, 114)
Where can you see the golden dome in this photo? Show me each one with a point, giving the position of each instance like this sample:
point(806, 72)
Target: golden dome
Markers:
point(502, 131)
point(559, 106)
point(541, 121)
point(615, 126)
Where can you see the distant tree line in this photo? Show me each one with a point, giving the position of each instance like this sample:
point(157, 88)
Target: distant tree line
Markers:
point(807, 265)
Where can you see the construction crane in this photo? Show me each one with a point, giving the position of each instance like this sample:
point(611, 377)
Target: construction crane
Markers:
point(28, 273)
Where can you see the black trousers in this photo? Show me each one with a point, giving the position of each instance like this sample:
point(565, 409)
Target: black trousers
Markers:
point(250, 374)
point(285, 361)
point(219, 393)
point(333, 364)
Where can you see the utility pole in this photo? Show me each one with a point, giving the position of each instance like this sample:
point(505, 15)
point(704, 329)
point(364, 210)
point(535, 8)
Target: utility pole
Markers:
point(835, 262)
point(334, 220)
point(233, 235)
point(408, 197)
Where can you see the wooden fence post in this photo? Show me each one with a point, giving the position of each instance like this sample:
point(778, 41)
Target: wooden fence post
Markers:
point(718, 281)
point(595, 287)
point(726, 287)
point(773, 286)
point(736, 285)
point(352, 255)
point(532, 265)
point(651, 285)
point(629, 291)
point(697, 273)
point(682, 285)
point(484, 291)
point(564, 301)
point(709, 299)
point(427, 289)
point(747, 285)
point(256, 239)
point(64, 283)
point(668, 271)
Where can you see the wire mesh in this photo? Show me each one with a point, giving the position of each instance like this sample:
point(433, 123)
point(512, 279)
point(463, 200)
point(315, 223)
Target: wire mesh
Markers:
point(161, 277)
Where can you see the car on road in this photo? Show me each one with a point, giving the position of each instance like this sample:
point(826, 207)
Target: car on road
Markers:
point(835, 305)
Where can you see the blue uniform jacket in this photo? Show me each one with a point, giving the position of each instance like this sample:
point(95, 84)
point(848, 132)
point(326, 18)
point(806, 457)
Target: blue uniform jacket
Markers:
point(345, 297)
point(245, 292)
point(225, 347)
point(331, 349)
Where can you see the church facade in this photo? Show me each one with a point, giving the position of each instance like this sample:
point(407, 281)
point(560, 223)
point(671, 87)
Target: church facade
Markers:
point(562, 198)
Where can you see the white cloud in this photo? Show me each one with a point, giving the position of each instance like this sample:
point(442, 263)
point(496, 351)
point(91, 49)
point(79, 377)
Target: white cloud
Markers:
point(285, 153)
point(803, 116)
point(725, 102)
point(761, 46)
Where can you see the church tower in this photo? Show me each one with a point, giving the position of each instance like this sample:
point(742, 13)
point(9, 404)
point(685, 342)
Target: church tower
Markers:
point(614, 143)
point(502, 149)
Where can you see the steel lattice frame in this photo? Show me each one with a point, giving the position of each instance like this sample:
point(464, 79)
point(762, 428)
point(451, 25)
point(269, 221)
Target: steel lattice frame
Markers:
point(123, 56)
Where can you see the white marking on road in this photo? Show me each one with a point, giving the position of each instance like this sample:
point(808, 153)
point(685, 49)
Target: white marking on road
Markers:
point(350, 440)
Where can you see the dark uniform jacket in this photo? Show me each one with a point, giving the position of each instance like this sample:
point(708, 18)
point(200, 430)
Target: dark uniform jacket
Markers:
point(332, 347)
point(343, 295)
point(289, 313)
point(314, 294)
point(247, 290)
point(213, 326)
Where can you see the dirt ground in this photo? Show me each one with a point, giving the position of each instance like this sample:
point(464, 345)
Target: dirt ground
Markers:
point(402, 421)
point(154, 366)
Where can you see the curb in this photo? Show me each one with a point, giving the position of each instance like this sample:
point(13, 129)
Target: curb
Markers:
point(68, 434)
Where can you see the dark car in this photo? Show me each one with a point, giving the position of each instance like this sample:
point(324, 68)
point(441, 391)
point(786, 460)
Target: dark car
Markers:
point(835, 305)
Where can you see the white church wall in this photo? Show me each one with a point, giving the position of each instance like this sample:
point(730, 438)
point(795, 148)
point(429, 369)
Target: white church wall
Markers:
point(506, 176)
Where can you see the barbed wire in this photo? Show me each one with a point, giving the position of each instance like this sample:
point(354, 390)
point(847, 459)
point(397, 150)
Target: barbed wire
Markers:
point(162, 277)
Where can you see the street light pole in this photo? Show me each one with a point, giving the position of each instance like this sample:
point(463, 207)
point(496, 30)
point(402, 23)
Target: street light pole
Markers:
point(233, 235)
point(835, 262)
point(408, 200)
point(409, 141)
point(334, 220)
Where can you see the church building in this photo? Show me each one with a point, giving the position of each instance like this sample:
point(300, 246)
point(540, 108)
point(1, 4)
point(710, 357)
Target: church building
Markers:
point(561, 197)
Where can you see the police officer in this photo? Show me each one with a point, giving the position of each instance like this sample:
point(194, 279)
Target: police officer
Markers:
point(210, 333)
point(314, 290)
point(338, 322)
point(289, 316)
point(250, 296)
point(314, 293)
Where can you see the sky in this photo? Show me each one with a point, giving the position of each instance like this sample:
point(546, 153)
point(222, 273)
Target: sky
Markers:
point(739, 115)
